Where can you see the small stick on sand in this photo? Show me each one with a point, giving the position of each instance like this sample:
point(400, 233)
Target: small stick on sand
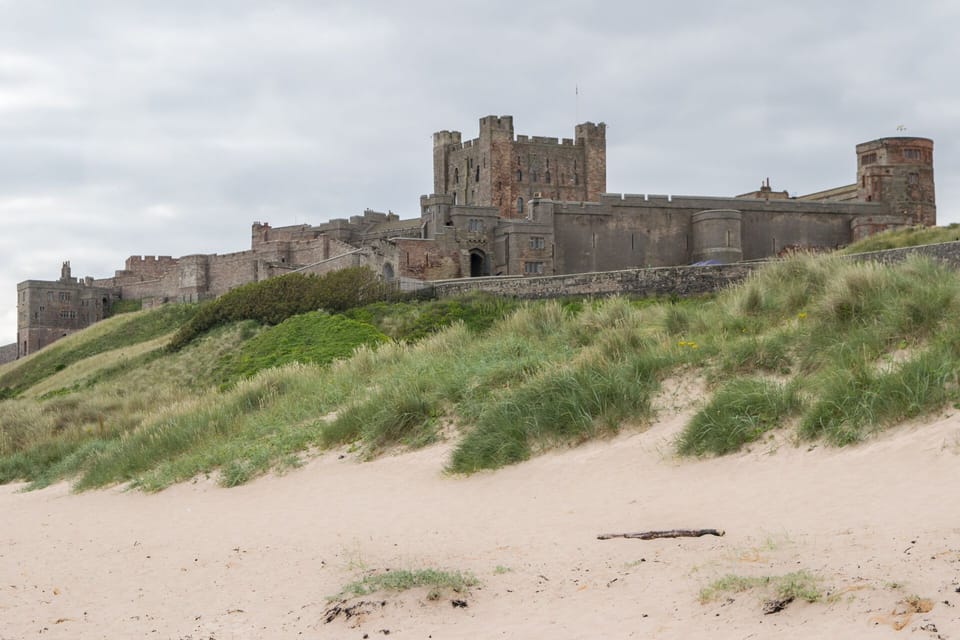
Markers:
point(672, 533)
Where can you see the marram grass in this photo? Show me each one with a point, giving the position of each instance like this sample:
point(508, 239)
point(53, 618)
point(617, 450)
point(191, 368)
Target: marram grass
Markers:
point(840, 348)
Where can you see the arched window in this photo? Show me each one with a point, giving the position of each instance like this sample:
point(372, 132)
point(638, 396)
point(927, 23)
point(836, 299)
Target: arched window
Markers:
point(519, 205)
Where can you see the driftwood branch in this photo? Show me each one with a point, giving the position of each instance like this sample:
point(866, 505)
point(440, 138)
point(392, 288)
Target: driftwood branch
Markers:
point(672, 533)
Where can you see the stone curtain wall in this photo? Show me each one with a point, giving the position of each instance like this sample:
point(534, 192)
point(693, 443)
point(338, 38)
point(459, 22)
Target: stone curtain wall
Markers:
point(660, 281)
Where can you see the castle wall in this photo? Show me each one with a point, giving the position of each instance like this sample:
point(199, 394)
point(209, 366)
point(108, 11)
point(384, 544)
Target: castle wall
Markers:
point(8, 353)
point(660, 281)
point(626, 231)
point(50, 310)
point(427, 260)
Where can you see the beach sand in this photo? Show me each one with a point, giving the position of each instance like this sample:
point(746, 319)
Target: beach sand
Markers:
point(877, 523)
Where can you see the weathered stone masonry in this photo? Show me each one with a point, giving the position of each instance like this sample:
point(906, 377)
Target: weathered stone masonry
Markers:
point(527, 206)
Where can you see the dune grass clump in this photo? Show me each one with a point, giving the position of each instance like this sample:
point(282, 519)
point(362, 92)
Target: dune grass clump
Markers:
point(436, 580)
point(738, 413)
point(414, 320)
point(797, 585)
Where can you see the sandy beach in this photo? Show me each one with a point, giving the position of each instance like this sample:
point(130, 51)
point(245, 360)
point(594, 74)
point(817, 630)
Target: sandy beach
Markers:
point(878, 524)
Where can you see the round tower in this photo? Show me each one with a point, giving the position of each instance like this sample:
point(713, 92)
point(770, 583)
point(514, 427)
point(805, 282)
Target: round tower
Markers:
point(716, 236)
point(899, 172)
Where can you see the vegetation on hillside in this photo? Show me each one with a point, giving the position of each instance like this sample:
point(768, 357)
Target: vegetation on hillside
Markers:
point(273, 301)
point(315, 337)
point(837, 350)
point(910, 237)
point(114, 333)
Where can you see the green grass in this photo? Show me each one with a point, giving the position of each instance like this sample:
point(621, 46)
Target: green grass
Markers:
point(841, 349)
point(416, 319)
point(910, 237)
point(315, 338)
point(798, 585)
point(739, 413)
point(122, 331)
point(437, 581)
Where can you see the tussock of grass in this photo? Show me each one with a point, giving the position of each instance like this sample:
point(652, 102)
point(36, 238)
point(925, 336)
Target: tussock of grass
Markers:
point(798, 585)
point(739, 413)
point(437, 581)
point(414, 320)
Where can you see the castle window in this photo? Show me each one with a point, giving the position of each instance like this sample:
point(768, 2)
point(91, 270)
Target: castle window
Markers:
point(519, 205)
point(475, 224)
point(913, 178)
point(64, 296)
point(533, 268)
point(868, 158)
point(546, 178)
point(50, 296)
point(478, 174)
point(533, 176)
point(519, 175)
point(576, 179)
point(911, 154)
point(456, 175)
point(536, 242)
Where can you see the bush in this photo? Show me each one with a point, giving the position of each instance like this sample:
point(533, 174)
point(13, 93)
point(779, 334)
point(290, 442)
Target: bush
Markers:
point(273, 301)
point(316, 337)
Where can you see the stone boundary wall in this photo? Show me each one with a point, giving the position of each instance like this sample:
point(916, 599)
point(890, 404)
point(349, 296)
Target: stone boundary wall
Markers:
point(8, 353)
point(665, 281)
point(946, 252)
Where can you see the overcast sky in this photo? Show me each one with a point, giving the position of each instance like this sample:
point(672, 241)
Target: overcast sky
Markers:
point(145, 127)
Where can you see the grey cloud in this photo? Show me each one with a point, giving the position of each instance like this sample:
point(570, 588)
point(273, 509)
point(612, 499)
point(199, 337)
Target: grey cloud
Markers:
point(132, 126)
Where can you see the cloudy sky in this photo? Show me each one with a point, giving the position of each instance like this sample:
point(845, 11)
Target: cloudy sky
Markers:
point(145, 127)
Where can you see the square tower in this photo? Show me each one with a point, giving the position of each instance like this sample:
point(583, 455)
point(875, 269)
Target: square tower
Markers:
point(498, 169)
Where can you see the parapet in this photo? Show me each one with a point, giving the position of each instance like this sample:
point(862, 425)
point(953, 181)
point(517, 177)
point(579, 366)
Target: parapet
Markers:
point(590, 131)
point(444, 138)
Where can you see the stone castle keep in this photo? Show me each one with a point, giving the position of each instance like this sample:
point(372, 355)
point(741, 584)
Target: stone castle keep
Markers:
point(506, 204)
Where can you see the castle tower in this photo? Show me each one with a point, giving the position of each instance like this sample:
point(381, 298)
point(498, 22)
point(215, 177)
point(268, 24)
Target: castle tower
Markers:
point(899, 172)
point(498, 169)
point(593, 138)
point(444, 143)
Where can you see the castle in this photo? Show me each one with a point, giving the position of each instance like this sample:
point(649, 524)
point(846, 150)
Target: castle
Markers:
point(506, 204)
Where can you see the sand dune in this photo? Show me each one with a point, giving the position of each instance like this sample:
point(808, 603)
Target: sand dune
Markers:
point(877, 523)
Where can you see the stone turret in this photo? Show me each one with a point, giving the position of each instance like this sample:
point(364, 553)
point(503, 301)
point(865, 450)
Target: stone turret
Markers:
point(899, 172)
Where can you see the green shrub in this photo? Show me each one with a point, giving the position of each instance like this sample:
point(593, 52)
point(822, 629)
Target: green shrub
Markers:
point(273, 301)
point(316, 337)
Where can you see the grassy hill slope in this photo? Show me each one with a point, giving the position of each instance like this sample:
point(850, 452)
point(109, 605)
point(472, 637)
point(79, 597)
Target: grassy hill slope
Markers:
point(837, 351)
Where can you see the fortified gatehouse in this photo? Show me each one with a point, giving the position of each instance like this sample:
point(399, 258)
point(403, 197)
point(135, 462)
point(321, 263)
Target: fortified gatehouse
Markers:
point(507, 204)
